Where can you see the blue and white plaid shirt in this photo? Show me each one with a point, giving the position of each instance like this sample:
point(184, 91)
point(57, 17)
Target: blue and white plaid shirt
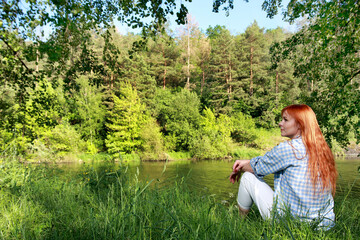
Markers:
point(293, 188)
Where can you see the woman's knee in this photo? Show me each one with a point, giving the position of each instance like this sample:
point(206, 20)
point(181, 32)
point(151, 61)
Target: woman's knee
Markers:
point(247, 176)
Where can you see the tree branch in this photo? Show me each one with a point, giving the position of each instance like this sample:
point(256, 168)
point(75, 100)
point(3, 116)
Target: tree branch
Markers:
point(15, 53)
point(355, 74)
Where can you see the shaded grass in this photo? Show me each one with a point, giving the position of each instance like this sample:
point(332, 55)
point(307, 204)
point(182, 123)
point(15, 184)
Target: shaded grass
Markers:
point(107, 203)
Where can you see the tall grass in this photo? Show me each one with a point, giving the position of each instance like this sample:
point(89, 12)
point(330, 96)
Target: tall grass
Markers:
point(108, 203)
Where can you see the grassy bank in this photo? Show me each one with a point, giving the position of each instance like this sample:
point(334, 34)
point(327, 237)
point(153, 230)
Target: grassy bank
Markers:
point(108, 204)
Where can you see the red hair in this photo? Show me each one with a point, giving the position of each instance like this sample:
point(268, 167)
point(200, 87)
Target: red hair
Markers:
point(321, 160)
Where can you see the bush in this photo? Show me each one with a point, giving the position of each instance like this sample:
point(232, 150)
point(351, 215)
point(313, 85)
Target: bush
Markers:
point(152, 141)
point(17, 147)
point(243, 131)
point(39, 152)
point(178, 116)
point(63, 139)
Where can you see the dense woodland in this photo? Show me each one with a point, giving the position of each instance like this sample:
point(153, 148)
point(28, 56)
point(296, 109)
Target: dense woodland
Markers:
point(85, 87)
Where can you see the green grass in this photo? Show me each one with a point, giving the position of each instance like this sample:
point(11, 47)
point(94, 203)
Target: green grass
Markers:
point(108, 203)
point(243, 152)
point(179, 155)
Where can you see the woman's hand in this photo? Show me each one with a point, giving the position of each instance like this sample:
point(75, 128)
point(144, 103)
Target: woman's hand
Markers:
point(234, 177)
point(238, 167)
point(242, 165)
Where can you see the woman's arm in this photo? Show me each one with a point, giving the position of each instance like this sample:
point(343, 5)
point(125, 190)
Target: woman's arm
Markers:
point(277, 159)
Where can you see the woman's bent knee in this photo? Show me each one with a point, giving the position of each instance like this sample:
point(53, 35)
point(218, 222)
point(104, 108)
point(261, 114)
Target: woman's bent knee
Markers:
point(248, 176)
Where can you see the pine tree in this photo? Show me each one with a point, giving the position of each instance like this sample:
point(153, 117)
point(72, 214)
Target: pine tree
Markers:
point(253, 72)
point(89, 112)
point(163, 55)
point(222, 68)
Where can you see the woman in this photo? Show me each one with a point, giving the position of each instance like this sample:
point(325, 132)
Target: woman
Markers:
point(304, 172)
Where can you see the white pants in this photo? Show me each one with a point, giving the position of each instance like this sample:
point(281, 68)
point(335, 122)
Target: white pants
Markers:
point(253, 189)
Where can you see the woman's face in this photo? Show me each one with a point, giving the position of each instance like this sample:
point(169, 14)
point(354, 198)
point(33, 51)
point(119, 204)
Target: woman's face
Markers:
point(289, 127)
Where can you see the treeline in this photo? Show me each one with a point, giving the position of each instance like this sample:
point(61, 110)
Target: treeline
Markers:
point(189, 91)
point(47, 82)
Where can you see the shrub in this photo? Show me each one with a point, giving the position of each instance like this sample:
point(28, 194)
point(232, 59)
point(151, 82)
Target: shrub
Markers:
point(213, 138)
point(63, 139)
point(243, 130)
point(152, 141)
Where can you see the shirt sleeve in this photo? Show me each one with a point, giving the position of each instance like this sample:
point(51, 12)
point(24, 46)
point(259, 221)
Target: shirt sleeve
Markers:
point(276, 160)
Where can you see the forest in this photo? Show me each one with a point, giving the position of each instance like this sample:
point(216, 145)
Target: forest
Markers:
point(81, 86)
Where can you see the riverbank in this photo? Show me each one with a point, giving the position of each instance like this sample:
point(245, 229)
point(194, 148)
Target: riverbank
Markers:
point(265, 140)
point(240, 152)
point(109, 204)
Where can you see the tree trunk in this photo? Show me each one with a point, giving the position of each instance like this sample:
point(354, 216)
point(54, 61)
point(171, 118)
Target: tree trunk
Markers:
point(188, 57)
point(230, 79)
point(37, 59)
point(251, 70)
point(277, 88)
point(164, 78)
point(202, 82)
point(277, 83)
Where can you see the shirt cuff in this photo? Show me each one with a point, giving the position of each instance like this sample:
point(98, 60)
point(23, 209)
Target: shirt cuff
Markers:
point(253, 163)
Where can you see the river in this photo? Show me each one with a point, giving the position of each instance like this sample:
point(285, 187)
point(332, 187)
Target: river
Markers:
point(211, 177)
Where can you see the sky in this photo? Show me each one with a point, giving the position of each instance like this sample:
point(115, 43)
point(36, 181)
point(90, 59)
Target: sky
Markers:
point(242, 16)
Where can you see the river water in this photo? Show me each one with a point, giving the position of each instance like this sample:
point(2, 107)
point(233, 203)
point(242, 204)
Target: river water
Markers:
point(211, 178)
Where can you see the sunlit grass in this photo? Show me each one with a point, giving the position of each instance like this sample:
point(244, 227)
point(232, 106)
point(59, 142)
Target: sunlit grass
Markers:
point(107, 203)
point(178, 155)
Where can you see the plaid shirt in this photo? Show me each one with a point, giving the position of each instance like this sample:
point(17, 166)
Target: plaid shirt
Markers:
point(293, 188)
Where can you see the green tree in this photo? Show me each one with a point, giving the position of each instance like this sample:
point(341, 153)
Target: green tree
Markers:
point(255, 63)
point(137, 70)
point(203, 58)
point(222, 67)
point(285, 86)
point(66, 50)
point(164, 53)
point(214, 136)
point(152, 141)
point(42, 110)
point(124, 122)
point(178, 115)
point(189, 40)
point(281, 88)
point(89, 112)
point(325, 54)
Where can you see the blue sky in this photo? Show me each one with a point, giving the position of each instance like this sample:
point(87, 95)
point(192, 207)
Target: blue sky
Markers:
point(243, 15)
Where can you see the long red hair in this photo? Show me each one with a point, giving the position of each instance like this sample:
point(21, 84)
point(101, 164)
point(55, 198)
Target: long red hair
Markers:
point(321, 160)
